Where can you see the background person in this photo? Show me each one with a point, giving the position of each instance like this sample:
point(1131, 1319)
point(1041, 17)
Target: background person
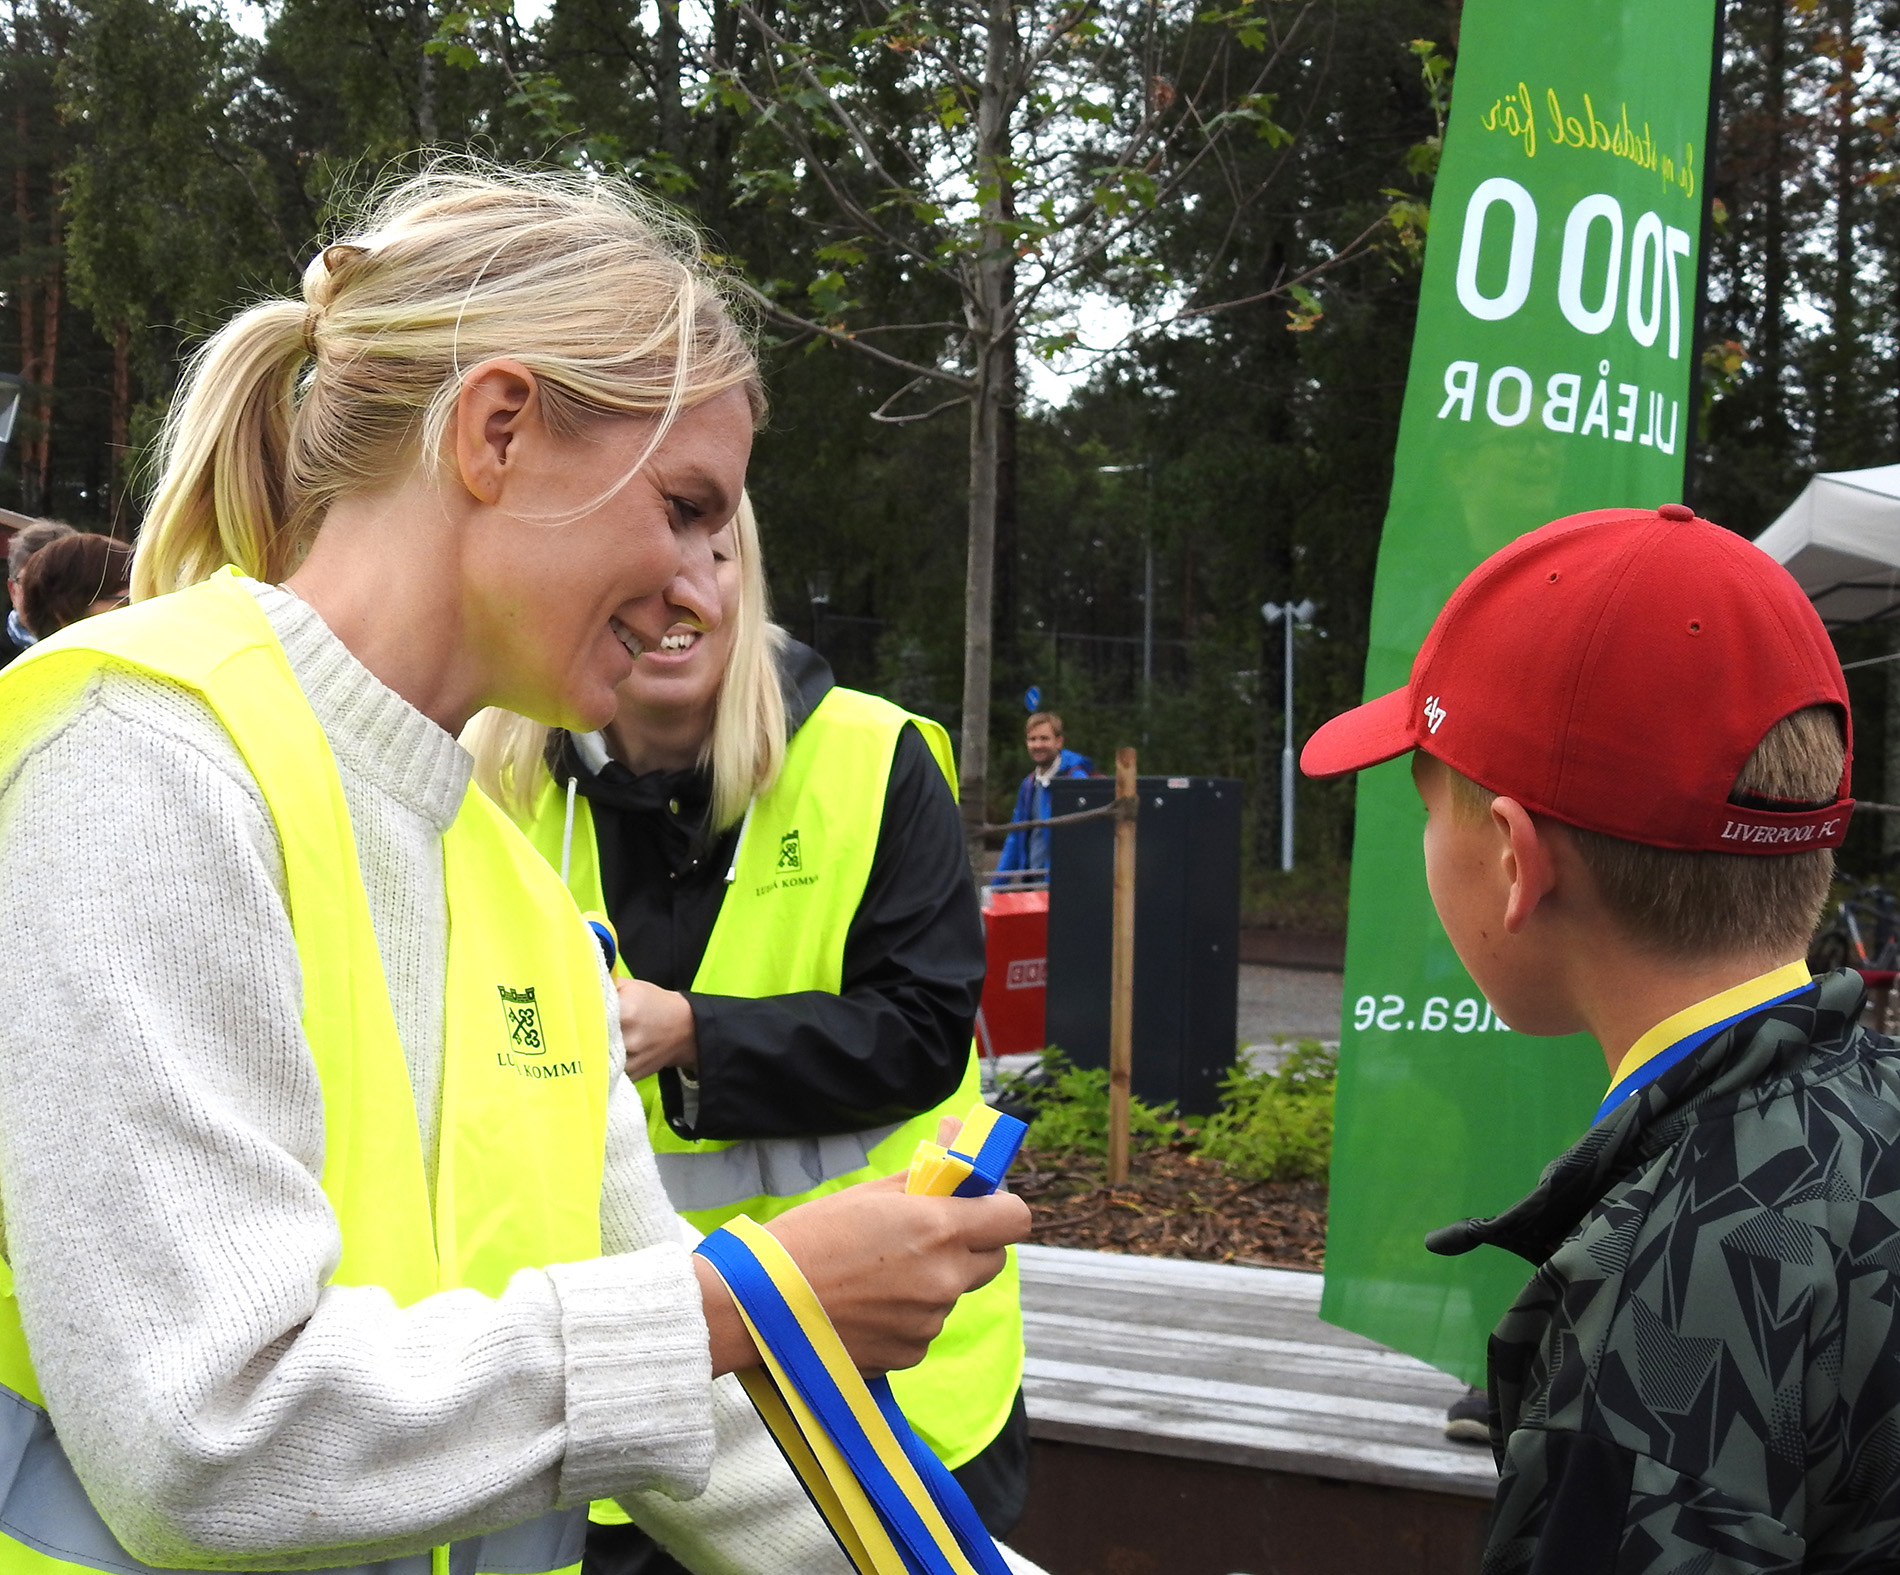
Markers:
point(76, 576)
point(784, 864)
point(1025, 855)
point(333, 1232)
point(26, 541)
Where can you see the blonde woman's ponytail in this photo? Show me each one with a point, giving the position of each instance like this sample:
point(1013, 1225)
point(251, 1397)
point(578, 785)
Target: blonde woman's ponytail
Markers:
point(224, 457)
point(594, 286)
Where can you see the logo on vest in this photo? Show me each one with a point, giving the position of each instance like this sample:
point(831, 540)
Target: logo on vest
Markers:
point(526, 1039)
point(790, 869)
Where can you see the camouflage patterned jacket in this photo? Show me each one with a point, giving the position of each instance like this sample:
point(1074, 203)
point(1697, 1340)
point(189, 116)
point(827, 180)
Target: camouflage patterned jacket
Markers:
point(1703, 1375)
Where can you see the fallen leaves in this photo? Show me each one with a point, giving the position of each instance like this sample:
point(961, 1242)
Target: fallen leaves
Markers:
point(1176, 1204)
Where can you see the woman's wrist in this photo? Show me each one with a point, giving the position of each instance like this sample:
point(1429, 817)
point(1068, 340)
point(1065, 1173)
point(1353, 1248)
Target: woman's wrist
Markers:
point(727, 1336)
point(657, 1029)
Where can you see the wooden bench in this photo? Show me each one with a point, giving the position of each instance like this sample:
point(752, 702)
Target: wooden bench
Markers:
point(1194, 1417)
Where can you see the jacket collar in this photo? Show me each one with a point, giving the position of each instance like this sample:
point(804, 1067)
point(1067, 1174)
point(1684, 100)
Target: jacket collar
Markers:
point(1796, 1041)
point(805, 678)
point(1683, 1033)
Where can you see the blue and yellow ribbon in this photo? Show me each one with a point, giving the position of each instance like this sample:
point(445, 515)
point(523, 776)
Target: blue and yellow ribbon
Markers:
point(893, 1506)
point(986, 1148)
point(1677, 1037)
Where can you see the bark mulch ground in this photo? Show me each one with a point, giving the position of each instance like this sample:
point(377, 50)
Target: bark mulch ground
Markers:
point(1175, 1205)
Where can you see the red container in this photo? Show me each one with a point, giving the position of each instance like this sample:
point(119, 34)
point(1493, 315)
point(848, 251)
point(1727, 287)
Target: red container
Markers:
point(1016, 930)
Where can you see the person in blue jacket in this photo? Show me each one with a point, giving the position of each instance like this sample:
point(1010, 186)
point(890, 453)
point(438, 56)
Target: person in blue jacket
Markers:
point(1025, 859)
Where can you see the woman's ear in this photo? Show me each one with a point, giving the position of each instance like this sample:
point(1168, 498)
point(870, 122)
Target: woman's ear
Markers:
point(497, 407)
point(1528, 867)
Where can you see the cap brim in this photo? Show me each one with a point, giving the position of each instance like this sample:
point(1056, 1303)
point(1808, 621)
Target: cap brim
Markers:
point(1377, 731)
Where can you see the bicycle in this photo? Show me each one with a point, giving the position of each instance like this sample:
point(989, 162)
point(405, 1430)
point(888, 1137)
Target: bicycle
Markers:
point(1864, 934)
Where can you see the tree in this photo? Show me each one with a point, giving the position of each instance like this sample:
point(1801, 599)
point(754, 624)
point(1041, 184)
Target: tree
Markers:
point(38, 40)
point(1804, 294)
point(1008, 156)
point(166, 231)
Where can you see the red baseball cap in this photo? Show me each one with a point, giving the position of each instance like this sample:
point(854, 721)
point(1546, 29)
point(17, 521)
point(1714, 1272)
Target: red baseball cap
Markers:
point(1615, 670)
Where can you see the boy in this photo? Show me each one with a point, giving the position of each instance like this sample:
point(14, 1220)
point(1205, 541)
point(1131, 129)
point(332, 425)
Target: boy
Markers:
point(1631, 735)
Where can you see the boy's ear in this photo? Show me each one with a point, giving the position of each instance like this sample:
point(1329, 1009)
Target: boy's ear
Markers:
point(1529, 867)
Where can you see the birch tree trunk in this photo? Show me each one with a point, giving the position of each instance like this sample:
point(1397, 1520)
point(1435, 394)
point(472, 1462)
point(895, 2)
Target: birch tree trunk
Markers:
point(666, 87)
point(1842, 384)
point(26, 283)
point(988, 305)
point(121, 423)
point(49, 343)
point(1774, 239)
point(426, 120)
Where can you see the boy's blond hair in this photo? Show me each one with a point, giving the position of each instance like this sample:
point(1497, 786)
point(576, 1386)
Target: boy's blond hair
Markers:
point(1693, 905)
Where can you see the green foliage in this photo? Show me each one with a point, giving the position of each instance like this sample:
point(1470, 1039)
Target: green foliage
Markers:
point(1071, 1107)
point(1410, 214)
point(1271, 1126)
point(184, 170)
point(1304, 315)
point(1278, 1125)
point(1310, 896)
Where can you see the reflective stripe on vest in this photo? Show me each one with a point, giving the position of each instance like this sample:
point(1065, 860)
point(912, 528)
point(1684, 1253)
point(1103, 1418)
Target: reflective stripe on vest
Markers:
point(46, 1509)
point(716, 1180)
point(799, 875)
point(524, 1078)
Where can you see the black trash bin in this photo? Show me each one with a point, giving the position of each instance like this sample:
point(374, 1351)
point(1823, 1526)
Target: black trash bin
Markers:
point(1187, 933)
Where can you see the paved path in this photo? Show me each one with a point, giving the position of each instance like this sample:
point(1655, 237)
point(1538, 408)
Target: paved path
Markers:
point(1277, 1007)
point(1209, 1361)
point(1287, 1003)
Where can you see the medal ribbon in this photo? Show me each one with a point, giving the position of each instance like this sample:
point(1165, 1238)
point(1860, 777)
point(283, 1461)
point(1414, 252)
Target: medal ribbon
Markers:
point(892, 1504)
point(1676, 1038)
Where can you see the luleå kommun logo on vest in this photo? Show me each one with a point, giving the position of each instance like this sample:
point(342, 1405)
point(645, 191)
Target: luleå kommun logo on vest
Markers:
point(790, 867)
point(527, 1042)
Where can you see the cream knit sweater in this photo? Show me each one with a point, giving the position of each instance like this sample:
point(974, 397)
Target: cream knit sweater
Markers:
point(161, 1147)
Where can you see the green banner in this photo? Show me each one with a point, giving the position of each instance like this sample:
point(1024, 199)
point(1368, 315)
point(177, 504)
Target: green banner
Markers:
point(1551, 373)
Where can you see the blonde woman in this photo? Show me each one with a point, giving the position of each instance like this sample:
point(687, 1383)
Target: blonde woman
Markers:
point(783, 860)
point(333, 1237)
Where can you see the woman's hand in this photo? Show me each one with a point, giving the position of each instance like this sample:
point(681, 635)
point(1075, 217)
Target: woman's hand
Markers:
point(657, 1027)
point(888, 1266)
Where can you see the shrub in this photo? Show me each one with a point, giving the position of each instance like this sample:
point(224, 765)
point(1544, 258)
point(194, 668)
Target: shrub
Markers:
point(1071, 1109)
point(1278, 1125)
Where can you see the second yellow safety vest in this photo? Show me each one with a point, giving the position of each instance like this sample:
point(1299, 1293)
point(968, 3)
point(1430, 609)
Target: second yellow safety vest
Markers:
point(797, 878)
point(524, 1081)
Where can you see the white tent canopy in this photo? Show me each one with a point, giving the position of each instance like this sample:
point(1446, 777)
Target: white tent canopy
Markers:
point(1841, 541)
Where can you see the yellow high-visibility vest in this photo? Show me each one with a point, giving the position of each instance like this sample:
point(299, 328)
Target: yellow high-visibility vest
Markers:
point(524, 1081)
point(803, 860)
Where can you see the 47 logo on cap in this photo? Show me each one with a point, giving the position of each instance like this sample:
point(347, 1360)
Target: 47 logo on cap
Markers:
point(1434, 713)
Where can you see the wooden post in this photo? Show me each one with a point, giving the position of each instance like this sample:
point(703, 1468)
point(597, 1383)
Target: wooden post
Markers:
point(1121, 1011)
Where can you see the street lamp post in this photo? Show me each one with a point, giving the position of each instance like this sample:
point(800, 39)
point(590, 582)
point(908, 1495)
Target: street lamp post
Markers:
point(12, 391)
point(1292, 613)
point(1147, 573)
point(818, 592)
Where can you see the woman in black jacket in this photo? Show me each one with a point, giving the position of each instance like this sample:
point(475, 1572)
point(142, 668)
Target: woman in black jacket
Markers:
point(783, 861)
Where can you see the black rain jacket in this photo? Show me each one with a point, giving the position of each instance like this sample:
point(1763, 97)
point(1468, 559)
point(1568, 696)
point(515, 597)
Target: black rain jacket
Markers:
point(1703, 1375)
point(896, 1042)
